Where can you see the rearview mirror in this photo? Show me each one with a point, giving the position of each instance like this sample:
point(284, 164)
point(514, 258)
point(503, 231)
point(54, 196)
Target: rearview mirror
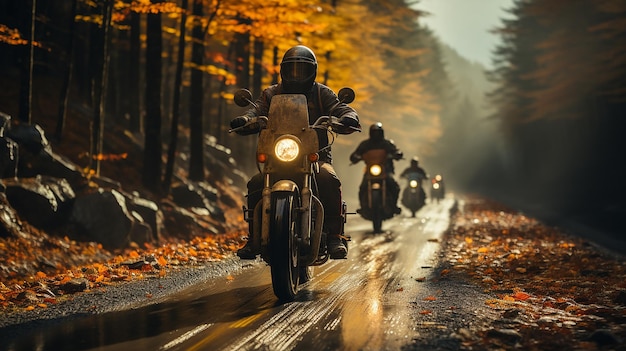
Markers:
point(243, 98)
point(346, 95)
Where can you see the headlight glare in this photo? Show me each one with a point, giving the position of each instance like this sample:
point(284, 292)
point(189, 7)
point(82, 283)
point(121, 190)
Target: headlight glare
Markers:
point(413, 183)
point(375, 170)
point(286, 149)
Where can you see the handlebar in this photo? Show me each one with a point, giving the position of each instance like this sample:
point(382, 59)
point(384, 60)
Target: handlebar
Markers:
point(261, 121)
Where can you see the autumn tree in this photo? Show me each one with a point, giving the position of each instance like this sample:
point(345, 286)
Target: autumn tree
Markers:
point(559, 98)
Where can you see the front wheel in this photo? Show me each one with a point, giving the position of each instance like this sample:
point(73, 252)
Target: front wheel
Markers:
point(284, 249)
point(377, 208)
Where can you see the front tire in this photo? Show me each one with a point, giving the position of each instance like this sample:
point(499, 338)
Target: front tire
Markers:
point(377, 208)
point(284, 248)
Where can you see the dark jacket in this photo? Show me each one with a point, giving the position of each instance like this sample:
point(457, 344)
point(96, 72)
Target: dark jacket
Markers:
point(419, 170)
point(321, 101)
point(371, 144)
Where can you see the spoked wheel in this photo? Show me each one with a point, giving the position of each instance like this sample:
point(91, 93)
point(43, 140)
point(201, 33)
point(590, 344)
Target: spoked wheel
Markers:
point(377, 205)
point(284, 246)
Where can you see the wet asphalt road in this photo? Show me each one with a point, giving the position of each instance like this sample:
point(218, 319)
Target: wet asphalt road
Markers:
point(361, 303)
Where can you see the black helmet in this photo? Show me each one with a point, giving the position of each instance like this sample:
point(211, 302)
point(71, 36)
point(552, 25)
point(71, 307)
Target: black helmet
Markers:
point(377, 132)
point(415, 161)
point(298, 69)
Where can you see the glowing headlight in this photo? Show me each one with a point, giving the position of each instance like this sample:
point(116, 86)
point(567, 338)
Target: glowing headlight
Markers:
point(375, 170)
point(436, 186)
point(286, 149)
point(413, 184)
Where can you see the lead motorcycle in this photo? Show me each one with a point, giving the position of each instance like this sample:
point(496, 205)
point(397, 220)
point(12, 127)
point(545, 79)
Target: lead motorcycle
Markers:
point(287, 223)
point(413, 195)
point(374, 194)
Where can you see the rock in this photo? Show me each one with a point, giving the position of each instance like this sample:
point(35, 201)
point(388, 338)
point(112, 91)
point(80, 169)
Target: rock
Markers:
point(30, 137)
point(10, 224)
point(190, 195)
point(9, 151)
point(5, 123)
point(75, 285)
point(102, 217)
point(620, 298)
point(34, 202)
point(603, 337)
point(148, 211)
point(508, 336)
point(46, 162)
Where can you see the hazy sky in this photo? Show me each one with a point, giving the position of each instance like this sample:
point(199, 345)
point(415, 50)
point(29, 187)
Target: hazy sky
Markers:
point(465, 24)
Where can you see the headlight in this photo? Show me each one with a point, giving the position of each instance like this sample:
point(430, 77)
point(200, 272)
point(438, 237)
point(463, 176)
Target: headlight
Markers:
point(436, 186)
point(413, 184)
point(375, 170)
point(286, 149)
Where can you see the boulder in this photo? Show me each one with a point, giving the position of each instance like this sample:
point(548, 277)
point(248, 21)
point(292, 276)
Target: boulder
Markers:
point(148, 211)
point(10, 224)
point(34, 201)
point(193, 195)
point(102, 216)
point(9, 151)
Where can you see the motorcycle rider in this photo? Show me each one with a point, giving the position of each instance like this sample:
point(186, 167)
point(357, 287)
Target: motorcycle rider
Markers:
point(414, 168)
point(298, 70)
point(377, 141)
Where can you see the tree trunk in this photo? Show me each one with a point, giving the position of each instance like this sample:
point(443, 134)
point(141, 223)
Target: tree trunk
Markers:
point(135, 73)
point(99, 90)
point(26, 87)
point(171, 152)
point(196, 147)
point(65, 89)
point(152, 161)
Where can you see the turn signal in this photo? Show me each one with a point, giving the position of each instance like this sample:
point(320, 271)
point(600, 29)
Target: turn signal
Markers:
point(314, 157)
point(261, 158)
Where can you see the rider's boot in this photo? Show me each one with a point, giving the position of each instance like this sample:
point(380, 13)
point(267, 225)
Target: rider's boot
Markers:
point(337, 247)
point(247, 252)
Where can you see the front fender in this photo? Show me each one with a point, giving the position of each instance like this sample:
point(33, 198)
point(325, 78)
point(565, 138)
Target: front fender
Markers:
point(285, 185)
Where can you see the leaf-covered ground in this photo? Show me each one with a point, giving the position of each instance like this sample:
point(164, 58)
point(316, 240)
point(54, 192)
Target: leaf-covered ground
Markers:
point(38, 269)
point(550, 290)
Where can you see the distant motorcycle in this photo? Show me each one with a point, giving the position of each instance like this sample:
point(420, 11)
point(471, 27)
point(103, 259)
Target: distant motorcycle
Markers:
point(413, 195)
point(374, 194)
point(437, 191)
point(288, 220)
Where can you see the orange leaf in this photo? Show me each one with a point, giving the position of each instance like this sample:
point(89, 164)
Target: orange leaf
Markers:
point(29, 308)
point(41, 275)
point(520, 295)
point(42, 305)
point(426, 312)
point(430, 298)
point(162, 261)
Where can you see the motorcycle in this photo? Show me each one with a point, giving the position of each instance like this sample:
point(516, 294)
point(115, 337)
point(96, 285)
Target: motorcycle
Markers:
point(437, 191)
point(374, 194)
point(287, 222)
point(413, 195)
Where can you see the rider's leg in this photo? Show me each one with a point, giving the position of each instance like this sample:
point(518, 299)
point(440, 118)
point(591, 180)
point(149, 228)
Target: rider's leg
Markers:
point(255, 187)
point(394, 189)
point(330, 196)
